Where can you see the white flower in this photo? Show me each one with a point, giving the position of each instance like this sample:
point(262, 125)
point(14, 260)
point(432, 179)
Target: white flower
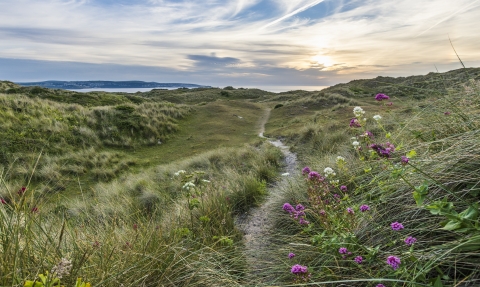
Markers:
point(179, 172)
point(340, 158)
point(358, 112)
point(189, 185)
point(356, 144)
point(205, 180)
point(334, 182)
point(329, 171)
point(285, 174)
point(377, 117)
point(62, 269)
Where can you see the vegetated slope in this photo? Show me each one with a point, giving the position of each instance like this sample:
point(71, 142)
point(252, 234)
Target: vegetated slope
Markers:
point(395, 200)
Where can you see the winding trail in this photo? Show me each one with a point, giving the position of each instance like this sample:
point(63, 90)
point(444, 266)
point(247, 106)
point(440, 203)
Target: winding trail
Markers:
point(257, 224)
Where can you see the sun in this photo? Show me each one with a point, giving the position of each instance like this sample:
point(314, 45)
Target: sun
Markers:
point(323, 60)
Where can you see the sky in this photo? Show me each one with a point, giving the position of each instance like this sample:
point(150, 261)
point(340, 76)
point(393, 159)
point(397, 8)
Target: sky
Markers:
point(235, 42)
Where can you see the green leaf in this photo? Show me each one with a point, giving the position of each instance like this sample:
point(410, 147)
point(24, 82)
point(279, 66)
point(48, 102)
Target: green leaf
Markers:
point(452, 225)
point(471, 213)
point(438, 282)
point(472, 244)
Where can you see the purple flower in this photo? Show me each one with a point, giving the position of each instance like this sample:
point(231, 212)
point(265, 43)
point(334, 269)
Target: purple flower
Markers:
point(447, 113)
point(380, 285)
point(336, 195)
point(381, 151)
point(299, 207)
point(350, 210)
point(396, 226)
point(364, 208)
point(404, 160)
point(322, 212)
point(393, 261)
point(302, 221)
point(410, 240)
point(343, 188)
point(288, 207)
point(291, 255)
point(380, 97)
point(299, 269)
point(354, 123)
point(368, 134)
point(343, 250)
point(359, 259)
point(313, 175)
point(306, 170)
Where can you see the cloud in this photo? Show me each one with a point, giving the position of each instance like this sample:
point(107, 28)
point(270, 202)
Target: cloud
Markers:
point(301, 40)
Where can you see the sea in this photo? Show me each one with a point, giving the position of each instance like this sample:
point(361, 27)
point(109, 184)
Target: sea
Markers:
point(273, 89)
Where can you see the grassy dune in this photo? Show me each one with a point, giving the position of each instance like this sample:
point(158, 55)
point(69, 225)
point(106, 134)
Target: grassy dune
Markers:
point(142, 190)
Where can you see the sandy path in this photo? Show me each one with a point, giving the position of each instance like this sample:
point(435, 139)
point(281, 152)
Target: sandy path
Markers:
point(257, 224)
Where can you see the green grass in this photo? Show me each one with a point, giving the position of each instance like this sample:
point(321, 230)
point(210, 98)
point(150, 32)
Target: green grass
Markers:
point(102, 192)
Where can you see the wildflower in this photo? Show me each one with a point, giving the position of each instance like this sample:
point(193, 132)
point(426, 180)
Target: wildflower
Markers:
point(367, 134)
point(285, 174)
point(410, 240)
point(393, 261)
point(299, 207)
point(377, 117)
point(380, 285)
point(334, 182)
point(343, 250)
point(359, 259)
point(364, 208)
point(381, 151)
point(380, 97)
point(340, 159)
point(358, 112)
point(343, 188)
point(306, 170)
point(329, 171)
point(396, 226)
point(135, 227)
point(291, 255)
point(205, 180)
point(355, 144)
point(390, 104)
point(354, 123)
point(336, 195)
point(302, 221)
point(96, 244)
point(34, 209)
point(350, 210)
point(21, 191)
point(3, 201)
point(299, 269)
point(288, 207)
point(179, 172)
point(189, 185)
point(404, 160)
point(62, 268)
point(447, 113)
point(322, 212)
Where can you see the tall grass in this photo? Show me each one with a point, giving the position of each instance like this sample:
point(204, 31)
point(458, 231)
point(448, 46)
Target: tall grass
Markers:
point(434, 196)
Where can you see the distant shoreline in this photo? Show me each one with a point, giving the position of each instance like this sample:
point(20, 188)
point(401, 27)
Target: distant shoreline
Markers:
point(273, 89)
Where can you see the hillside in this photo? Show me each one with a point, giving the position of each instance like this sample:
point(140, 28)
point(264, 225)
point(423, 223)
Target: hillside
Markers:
point(149, 188)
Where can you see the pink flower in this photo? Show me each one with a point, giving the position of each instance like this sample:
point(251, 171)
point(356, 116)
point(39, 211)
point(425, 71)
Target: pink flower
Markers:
point(396, 226)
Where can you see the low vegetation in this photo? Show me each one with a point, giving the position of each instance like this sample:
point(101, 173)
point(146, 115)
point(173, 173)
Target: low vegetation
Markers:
point(102, 189)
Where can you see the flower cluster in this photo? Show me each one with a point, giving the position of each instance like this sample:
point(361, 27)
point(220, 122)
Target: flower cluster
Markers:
point(394, 262)
point(329, 172)
point(299, 269)
point(297, 213)
point(354, 123)
point(383, 151)
point(62, 268)
point(179, 172)
point(364, 208)
point(189, 185)
point(377, 117)
point(358, 112)
point(381, 97)
point(396, 226)
point(410, 240)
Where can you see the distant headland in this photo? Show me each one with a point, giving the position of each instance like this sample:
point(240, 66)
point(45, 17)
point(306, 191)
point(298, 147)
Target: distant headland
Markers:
point(79, 85)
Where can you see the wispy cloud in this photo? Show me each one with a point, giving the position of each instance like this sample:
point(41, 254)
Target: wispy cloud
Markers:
point(299, 40)
point(295, 12)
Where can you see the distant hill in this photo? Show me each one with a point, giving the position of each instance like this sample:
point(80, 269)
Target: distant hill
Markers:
point(78, 85)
